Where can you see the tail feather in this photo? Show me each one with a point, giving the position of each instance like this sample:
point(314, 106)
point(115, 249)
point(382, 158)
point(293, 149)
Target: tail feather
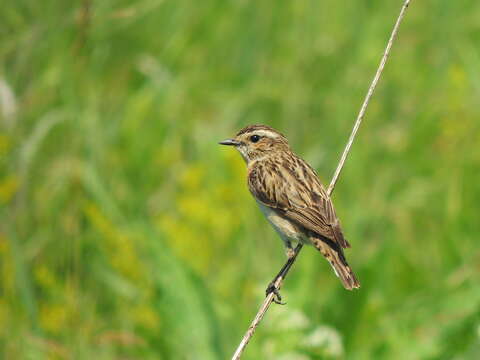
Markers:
point(338, 262)
point(338, 234)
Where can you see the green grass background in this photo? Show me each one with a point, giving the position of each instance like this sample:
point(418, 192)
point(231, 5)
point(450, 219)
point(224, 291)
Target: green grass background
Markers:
point(126, 232)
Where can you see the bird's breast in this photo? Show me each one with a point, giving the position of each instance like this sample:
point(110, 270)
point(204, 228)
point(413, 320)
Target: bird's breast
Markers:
point(284, 227)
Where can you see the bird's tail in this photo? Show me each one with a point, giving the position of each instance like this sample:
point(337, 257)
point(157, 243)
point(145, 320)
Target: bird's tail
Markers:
point(337, 260)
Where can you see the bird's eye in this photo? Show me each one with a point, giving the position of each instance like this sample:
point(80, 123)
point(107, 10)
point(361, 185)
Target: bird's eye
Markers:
point(254, 138)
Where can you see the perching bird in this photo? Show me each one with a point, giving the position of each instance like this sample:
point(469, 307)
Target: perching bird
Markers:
point(292, 198)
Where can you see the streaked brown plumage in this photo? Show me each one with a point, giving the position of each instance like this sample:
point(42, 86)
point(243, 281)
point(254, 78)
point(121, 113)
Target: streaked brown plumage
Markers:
point(291, 196)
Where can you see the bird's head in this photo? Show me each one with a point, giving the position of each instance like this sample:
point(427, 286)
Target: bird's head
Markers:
point(256, 142)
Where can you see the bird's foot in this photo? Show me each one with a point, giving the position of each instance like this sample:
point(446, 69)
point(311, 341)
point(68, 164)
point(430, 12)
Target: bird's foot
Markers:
point(272, 288)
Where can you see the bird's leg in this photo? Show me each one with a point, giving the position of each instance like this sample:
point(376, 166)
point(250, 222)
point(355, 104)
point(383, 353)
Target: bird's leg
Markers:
point(273, 287)
point(289, 250)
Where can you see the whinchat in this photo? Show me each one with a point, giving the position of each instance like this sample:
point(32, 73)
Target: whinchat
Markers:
point(291, 197)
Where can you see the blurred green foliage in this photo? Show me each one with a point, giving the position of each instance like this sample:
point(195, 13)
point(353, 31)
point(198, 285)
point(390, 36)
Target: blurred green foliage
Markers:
point(126, 232)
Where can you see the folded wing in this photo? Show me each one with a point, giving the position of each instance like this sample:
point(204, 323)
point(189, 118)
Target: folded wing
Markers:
point(293, 189)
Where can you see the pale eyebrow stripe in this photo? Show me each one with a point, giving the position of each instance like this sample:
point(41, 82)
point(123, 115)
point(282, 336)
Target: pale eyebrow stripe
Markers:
point(266, 133)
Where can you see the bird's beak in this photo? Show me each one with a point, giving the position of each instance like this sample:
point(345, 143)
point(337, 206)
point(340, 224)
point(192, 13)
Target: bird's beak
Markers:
point(230, 142)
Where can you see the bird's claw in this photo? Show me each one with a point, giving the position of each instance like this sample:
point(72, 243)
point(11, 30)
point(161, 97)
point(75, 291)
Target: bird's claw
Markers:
point(277, 298)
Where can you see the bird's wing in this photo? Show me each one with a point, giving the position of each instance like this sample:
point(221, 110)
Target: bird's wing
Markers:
point(292, 188)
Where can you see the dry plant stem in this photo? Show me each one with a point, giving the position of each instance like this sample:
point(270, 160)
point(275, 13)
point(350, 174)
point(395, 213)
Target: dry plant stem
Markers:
point(367, 98)
point(278, 283)
point(266, 304)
